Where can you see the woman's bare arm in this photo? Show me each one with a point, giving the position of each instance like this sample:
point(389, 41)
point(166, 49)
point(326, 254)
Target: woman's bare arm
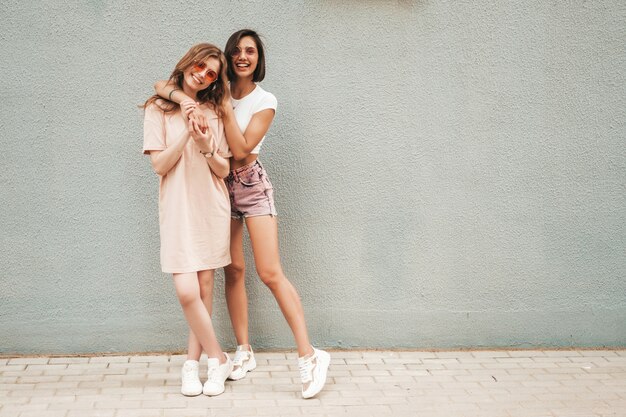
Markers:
point(241, 144)
point(164, 161)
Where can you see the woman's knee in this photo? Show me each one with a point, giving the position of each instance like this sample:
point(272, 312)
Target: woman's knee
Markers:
point(271, 276)
point(206, 292)
point(235, 273)
point(206, 285)
point(187, 296)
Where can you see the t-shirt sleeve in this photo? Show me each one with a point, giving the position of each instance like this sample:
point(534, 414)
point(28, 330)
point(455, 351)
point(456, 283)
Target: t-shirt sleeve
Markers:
point(268, 101)
point(223, 150)
point(153, 130)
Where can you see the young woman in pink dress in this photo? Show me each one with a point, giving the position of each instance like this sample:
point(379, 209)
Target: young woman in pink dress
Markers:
point(194, 211)
point(247, 117)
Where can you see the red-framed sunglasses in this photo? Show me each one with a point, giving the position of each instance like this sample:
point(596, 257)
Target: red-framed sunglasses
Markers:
point(210, 75)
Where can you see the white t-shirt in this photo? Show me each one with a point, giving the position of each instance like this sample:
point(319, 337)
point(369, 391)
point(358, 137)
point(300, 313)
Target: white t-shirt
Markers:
point(244, 108)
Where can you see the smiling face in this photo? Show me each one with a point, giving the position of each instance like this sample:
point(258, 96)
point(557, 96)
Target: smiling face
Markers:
point(201, 74)
point(244, 57)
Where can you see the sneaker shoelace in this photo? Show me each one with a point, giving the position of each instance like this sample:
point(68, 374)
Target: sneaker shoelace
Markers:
point(189, 375)
point(214, 374)
point(240, 356)
point(306, 368)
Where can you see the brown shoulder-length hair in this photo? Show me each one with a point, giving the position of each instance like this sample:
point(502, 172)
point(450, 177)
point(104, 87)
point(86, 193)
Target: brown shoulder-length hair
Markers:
point(213, 94)
point(231, 44)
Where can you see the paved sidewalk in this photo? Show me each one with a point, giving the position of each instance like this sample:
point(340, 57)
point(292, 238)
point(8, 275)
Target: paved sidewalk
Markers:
point(523, 383)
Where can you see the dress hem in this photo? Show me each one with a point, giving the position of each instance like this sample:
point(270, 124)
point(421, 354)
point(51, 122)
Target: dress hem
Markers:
point(195, 268)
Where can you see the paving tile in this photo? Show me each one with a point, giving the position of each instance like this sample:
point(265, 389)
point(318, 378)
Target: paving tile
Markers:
point(490, 354)
point(68, 360)
point(145, 412)
point(526, 353)
point(46, 413)
point(189, 412)
point(456, 354)
point(370, 372)
point(109, 359)
point(51, 399)
point(90, 413)
point(74, 405)
point(28, 361)
point(278, 411)
point(232, 412)
point(88, 366)
point(385, 400)
point(346, 354)
point(18, 408)
point(152, 359)
point(401, 360)
point(12, 368)
point(39, 378)
point(562, 353)
point(594, 352)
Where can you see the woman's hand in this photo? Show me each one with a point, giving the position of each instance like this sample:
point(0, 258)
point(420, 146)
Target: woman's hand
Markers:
point(191, 110)
point(203, 139)
point(187, 107)
point(198, 116)
point(160, 103)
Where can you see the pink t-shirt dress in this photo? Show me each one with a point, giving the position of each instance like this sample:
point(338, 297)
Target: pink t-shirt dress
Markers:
point(194, 208)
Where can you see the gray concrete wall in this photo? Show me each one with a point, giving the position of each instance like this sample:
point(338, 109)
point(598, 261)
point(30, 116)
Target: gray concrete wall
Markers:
point(448, 173)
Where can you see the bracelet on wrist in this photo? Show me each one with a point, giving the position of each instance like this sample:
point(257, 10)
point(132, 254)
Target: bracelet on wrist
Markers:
point(169, 96)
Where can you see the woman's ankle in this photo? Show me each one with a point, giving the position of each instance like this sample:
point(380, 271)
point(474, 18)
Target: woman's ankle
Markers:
point(306, 352)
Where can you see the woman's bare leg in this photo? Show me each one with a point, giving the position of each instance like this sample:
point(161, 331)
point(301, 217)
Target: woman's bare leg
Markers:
point(235, 284)
point(188, 290)
point(205, 279)
point(263, 232)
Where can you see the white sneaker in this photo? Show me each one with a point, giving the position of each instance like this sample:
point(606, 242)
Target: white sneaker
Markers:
point(243, 363)
point(313, 371)
point(191, 385)
point(216, 375)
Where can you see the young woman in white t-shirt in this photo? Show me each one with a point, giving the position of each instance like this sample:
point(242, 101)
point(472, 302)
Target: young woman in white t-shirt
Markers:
point(247, 118)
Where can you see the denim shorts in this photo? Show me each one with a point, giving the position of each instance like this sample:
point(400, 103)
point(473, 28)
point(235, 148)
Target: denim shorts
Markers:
point(251, 192)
